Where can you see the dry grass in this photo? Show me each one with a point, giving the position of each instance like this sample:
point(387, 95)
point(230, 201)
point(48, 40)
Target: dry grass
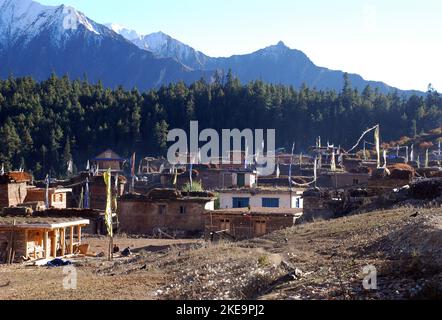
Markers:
point(321, 260)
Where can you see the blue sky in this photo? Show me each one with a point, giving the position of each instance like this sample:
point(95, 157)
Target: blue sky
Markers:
point(395, 41)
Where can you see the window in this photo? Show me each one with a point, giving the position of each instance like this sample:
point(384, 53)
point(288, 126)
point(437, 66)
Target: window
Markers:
point(241, 180)
point(298, 203)
point(162, 209)
point(270, 202)
point(260, 228)
point(240, 202)
point(355, 181)
point(57, 198)
point(183, 210)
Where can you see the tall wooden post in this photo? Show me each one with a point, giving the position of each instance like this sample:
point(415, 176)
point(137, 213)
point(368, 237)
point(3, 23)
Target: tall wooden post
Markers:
point(71, 240)
point(111, 248)
point(63, 241)
point(11, 250)
point(45, 244)
point(79, 234)
point(54, 244)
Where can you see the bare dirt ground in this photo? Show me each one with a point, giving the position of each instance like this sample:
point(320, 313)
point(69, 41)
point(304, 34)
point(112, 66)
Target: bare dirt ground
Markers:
point(321, 260)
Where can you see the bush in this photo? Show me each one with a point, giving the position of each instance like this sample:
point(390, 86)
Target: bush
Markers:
point(196, 187)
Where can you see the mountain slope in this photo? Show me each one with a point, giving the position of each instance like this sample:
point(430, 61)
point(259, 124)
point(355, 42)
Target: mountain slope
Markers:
point(275, 64)
point(282, 65)
point(37, 40)
point(164, 46)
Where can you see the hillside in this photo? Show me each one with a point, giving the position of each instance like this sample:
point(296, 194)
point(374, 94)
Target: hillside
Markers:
point(321, 260)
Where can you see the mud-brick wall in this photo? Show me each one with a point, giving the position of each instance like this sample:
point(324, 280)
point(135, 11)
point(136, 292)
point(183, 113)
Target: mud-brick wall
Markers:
point(316, 208)
point(19, 243)
point(12, 194)
point(143, 217)
point(380, 186)
point(243, 227)
point(4, 196)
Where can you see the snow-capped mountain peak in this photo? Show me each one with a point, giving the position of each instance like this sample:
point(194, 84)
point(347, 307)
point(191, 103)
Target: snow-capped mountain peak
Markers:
point(22, 20)
point(127, 33)
point(163, 46)
point(73, 18)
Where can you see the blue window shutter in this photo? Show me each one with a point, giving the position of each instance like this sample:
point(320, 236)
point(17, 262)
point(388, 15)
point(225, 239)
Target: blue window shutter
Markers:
point(270, 202)
point(240, 202)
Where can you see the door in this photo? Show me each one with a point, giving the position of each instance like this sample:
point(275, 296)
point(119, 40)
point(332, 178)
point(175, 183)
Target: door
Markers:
point(225, 225)
point(241, 180)
point(260, 228)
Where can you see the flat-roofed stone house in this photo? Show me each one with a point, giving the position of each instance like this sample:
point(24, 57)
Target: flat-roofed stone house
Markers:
point(164, 209)
point(13, 188)
point(261, 198)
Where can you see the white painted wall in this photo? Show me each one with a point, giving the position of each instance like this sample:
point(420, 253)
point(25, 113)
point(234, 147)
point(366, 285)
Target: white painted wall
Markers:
point(210, 206)
point(250, 179)
point(226, 199)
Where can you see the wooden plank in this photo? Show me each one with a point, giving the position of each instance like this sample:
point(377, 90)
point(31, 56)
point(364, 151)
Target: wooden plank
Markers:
point(54, 244)
point(45, 244)
point(71, 242)
point(63, 241)
point(79, 234)
point(48, 225)
point(11, 250)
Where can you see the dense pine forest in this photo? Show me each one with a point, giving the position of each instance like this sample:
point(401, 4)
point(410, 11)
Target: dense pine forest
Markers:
point(44, 125)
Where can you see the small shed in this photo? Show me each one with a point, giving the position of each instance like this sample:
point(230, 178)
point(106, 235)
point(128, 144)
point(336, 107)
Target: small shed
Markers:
point(13, 188)
point(109, 159)
point(245, 223)
point(32, 238)
point(57, 196)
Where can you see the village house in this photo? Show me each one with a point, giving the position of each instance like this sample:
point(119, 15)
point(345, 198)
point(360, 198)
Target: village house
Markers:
point(109, 159)
point(165, 209)
point(57, 197)
point(32, 238)
point(319, 204)
point(97, 189)
point(13, 188)
point(244, 223)
point(386, 179)
point(338, 180)
point(211, 178)
point(261, 198)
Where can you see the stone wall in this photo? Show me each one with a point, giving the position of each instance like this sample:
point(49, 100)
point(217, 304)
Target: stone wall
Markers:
point(342, 180)
point(317, 208)
point(143, 216)
point(12, 194)
point(19, 244)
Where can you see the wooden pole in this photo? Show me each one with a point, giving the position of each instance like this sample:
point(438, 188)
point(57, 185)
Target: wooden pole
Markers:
point(11, 253)
point(71, 242)
point(45, 244)
point(79, 234)
point(63, 241)
point(54, 244)
point(110, 255)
